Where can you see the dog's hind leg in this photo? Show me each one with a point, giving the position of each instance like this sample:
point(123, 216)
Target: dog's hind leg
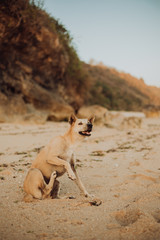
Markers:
point(34, 183)
point(48, 187)
point(55, 189)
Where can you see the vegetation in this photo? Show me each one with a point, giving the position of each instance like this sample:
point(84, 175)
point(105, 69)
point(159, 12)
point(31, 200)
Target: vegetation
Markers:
point(119, 91)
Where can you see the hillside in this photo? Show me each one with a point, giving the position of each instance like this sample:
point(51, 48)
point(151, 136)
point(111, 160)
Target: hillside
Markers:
point(41, 71)
point(120, 91)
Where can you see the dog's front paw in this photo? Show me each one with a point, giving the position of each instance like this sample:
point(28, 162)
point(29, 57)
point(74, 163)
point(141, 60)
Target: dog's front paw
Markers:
point(72, 176)
point(87, 195)
point(54, 175)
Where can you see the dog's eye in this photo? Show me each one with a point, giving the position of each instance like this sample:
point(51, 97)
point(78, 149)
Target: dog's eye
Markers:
point(80, 123)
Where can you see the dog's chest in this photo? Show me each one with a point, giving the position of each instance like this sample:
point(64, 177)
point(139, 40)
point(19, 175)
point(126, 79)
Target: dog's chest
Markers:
point(67, 154)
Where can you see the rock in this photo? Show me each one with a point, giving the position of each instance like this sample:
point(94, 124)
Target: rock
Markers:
point(124, 120)
point(34, 116)
point(36, 95)
point(12, 108)
point(131, 122)
point(41, 107)
point(152, 113)
point(16, 110)
point(99, 112)
point(60, 112)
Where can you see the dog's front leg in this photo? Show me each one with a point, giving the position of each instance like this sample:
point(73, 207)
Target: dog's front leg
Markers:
point(62, 163)
point(78, 180)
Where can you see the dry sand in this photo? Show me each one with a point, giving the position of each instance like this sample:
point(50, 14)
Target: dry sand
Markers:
point(120, 167)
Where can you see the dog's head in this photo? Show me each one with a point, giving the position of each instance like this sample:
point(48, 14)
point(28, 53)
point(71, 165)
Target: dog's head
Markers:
point(83, 127)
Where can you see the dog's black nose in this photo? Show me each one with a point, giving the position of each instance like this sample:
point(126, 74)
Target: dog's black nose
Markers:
point(89, 125)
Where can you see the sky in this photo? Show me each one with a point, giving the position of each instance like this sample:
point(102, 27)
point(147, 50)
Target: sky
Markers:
point(123, 34)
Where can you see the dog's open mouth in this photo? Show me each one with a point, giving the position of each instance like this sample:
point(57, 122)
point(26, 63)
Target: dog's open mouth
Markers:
point(85, 133)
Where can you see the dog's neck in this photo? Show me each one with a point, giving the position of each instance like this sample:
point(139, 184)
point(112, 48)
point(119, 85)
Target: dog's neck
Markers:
point(72, 137)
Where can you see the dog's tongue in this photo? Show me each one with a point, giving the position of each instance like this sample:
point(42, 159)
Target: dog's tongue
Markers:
point(85, 132)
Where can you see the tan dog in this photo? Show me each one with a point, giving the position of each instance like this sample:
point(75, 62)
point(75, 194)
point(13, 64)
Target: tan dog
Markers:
point(55, 159)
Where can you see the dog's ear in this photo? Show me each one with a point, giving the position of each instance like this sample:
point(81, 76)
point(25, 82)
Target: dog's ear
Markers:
point(72, 119)
point(91, 119)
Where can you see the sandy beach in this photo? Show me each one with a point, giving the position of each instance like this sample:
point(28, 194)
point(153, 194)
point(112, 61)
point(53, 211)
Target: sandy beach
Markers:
point(121, 167)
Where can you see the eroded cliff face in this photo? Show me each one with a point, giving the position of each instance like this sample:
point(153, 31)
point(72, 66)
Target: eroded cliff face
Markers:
point(36, 60)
